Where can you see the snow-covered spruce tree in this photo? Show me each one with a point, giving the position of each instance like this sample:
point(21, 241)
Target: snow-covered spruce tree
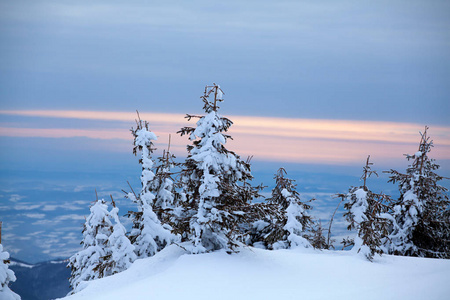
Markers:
point(368, 214)
point(288, 222)
point(164, 186)
point(119, 250)
point(148, 234)
point(317, 239)
point(96, 232)
point(6, 276)
point(213, 198)
point(421, 212)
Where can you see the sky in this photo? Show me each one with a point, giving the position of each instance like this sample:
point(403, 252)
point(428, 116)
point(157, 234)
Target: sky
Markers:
point(312, 86)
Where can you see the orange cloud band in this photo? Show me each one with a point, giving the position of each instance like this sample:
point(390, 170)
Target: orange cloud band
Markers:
point(297, 140)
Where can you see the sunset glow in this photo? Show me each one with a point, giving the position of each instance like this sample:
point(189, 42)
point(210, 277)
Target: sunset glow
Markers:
point(266, 138)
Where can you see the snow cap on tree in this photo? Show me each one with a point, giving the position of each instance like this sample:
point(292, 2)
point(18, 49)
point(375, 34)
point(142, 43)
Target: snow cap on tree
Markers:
point(153, 236)
point(210, 177)
point(367, 214)
point(166, 202)
point(148, 234)
point(288, 220)
point(106, 248)
point(295, 212)
point(96, 232)
point(119, 250)
point(6, 276)
point(422, 225)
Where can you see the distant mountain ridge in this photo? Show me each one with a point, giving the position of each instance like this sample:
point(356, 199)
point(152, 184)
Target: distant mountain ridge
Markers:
point(40, 281)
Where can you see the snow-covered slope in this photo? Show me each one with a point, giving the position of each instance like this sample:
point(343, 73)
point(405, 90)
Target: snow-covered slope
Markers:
point(281, 274)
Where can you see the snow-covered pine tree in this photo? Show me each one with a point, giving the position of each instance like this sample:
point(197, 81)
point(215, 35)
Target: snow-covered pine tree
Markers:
point(422, 210)
point(368, 215)
point(6, 276)
point(317, 239)
point(148, 234)
point(119, 250)
point(96, 232)
point(213, 198)
point(288, 222)
point(164, 187)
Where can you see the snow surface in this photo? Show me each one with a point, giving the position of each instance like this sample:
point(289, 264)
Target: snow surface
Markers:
point(281, 274)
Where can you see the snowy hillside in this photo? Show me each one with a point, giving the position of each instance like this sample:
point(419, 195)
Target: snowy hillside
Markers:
point(281, 274)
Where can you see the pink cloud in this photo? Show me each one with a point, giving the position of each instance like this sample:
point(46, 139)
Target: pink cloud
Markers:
point(274, 139)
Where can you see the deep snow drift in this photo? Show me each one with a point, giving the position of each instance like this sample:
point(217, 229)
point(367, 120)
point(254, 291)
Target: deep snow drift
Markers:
point(281, 274)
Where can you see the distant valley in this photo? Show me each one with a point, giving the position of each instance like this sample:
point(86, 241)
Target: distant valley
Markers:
point(41, 281)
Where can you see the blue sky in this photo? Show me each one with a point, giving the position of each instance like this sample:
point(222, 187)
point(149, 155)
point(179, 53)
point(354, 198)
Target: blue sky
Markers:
point(365, 60)
point(314, 86)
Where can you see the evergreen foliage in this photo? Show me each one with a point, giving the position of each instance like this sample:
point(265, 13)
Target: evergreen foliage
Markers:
point(106, 248)
point(368, 214)
point(214, 194)
point(287, 221)
point(148, 234)
point(119, 250)
point(210, 207)
point(96, 232)
point(6, 277)
point(317, 239)
point(166, 204)
point(422, 210)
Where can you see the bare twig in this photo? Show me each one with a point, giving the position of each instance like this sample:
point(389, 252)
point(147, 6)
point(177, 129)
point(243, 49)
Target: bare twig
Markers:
point(132, 189)
point(332, 217)
point(139, 117)
point(112, 201)
point(180, 246)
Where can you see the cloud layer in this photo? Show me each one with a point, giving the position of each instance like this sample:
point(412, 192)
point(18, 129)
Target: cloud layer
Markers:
point(266, 138)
